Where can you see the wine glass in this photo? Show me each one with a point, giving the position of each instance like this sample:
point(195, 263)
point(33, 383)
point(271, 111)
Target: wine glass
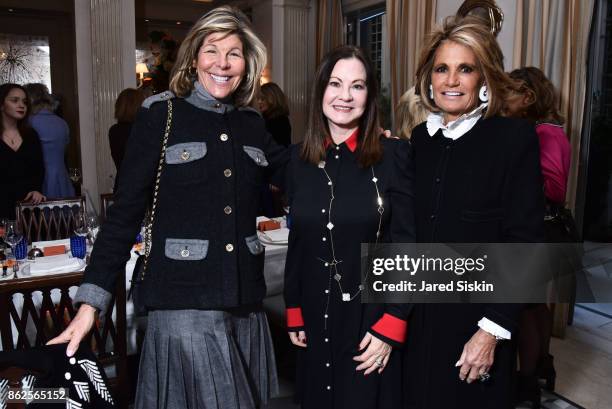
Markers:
point(93, 227)
point(12, 237)
point(80, 225)
point(75, 175)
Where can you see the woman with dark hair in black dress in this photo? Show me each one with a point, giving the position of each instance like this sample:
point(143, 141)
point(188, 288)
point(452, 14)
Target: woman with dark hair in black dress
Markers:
point(21, 160)
point(347, 186)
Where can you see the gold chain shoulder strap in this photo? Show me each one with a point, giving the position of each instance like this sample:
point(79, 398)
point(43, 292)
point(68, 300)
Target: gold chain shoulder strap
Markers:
point(151, 214)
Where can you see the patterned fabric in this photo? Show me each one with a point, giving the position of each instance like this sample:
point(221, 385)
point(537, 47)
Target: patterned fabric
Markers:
point(81, 375)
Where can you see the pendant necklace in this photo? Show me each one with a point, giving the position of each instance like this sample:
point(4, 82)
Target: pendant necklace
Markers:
point(334, 273)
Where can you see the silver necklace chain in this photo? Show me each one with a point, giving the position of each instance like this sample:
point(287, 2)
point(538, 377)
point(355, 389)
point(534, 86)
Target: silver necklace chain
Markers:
point(334, 273)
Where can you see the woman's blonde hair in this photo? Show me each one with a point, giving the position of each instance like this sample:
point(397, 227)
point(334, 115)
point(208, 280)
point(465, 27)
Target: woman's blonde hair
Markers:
point(471, 33)
point(409, 113)
point(225, 20)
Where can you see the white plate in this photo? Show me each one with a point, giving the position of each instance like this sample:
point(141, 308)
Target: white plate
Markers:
point(266, 240)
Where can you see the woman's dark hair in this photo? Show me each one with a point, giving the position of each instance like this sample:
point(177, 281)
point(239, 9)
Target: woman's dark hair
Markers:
point(23, 124)
point(369, 149)
point(127, 104)
point(545, 107)
point(275, 99)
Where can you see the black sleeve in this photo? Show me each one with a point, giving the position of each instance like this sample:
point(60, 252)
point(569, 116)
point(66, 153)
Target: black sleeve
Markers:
point(393, 323)
point(278, 157)
point(125, 216)
point(292, 290)
point(403, 227)
point(524, 208)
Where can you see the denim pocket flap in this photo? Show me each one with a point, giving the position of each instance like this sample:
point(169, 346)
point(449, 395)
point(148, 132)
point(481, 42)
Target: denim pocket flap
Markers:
point(254, 245)
point(185, 152)
point(256, 154)
point(186, 249)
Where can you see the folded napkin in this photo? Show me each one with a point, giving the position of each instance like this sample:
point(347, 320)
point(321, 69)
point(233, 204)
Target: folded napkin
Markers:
point(56, 264)
point(49, 243)
point(268, 225)
point(280, 236)
point(54, 250)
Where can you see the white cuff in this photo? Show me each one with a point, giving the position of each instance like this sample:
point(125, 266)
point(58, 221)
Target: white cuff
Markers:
point(492, 328)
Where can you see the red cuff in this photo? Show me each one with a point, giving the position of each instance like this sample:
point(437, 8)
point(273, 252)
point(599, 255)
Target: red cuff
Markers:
point(391, 327)
point(294, 317)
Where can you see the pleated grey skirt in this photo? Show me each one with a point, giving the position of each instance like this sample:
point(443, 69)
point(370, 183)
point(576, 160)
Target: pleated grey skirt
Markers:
point(194, 359)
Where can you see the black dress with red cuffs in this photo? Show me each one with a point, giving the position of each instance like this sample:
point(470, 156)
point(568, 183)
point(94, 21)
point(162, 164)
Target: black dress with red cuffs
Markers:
point(323, 271)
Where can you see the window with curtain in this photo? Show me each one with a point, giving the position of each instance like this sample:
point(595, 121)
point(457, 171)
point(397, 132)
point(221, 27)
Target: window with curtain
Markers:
point(25, 59)
point(367, 28)
point(597, 143)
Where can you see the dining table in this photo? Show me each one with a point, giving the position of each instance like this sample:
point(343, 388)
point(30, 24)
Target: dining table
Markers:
point(32, 274)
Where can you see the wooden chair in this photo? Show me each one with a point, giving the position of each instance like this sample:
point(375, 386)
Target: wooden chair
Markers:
point(106, 201)
point(13, 375)
point(50, 220)
point(37, 325)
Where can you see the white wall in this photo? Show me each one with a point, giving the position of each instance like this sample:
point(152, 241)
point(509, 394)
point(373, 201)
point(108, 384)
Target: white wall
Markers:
point(506, 36)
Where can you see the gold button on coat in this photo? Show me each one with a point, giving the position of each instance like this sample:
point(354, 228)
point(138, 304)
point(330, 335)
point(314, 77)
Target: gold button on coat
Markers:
point(227, 210)
point(229, 247)
point(223, 137)
point(227, 173)
point(184, 253)
point(185, 155)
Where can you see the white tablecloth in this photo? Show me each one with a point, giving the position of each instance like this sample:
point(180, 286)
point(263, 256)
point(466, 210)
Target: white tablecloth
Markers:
point(273, 271)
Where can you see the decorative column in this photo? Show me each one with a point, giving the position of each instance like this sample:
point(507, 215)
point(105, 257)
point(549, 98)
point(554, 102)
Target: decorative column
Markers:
point(105, 48)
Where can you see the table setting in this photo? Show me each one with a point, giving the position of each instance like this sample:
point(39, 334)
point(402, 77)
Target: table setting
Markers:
point(55, 257)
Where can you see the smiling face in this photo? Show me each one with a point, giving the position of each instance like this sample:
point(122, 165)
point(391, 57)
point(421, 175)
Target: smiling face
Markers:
point(15, 105)
point(220, 64)
point(345, 96)
point(455, 80)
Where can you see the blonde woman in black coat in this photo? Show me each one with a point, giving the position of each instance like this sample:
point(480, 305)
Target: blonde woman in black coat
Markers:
point(478, 181)
point(207, 343)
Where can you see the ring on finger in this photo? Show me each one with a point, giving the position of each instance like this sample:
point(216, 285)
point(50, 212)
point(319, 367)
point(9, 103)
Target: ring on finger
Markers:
point(379, 361)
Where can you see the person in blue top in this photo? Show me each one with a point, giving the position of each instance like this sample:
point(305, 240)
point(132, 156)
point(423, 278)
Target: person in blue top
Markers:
point(54, 136)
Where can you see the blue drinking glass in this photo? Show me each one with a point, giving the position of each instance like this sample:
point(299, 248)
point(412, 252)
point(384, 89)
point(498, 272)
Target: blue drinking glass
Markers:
point(21, 250)
point(78, 246)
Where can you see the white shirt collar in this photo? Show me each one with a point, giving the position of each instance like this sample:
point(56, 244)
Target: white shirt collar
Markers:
point(457, 128)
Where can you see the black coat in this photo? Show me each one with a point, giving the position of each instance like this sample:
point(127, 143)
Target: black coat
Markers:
point(485, 187)
point(205, 252)
point(326, 370)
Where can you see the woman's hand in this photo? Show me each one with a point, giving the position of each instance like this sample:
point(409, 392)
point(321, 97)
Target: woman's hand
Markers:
point(78, 328)
point(35, 197)
point(477, 357)
point(387, 133)
point(375, 357)
point(298, 338)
